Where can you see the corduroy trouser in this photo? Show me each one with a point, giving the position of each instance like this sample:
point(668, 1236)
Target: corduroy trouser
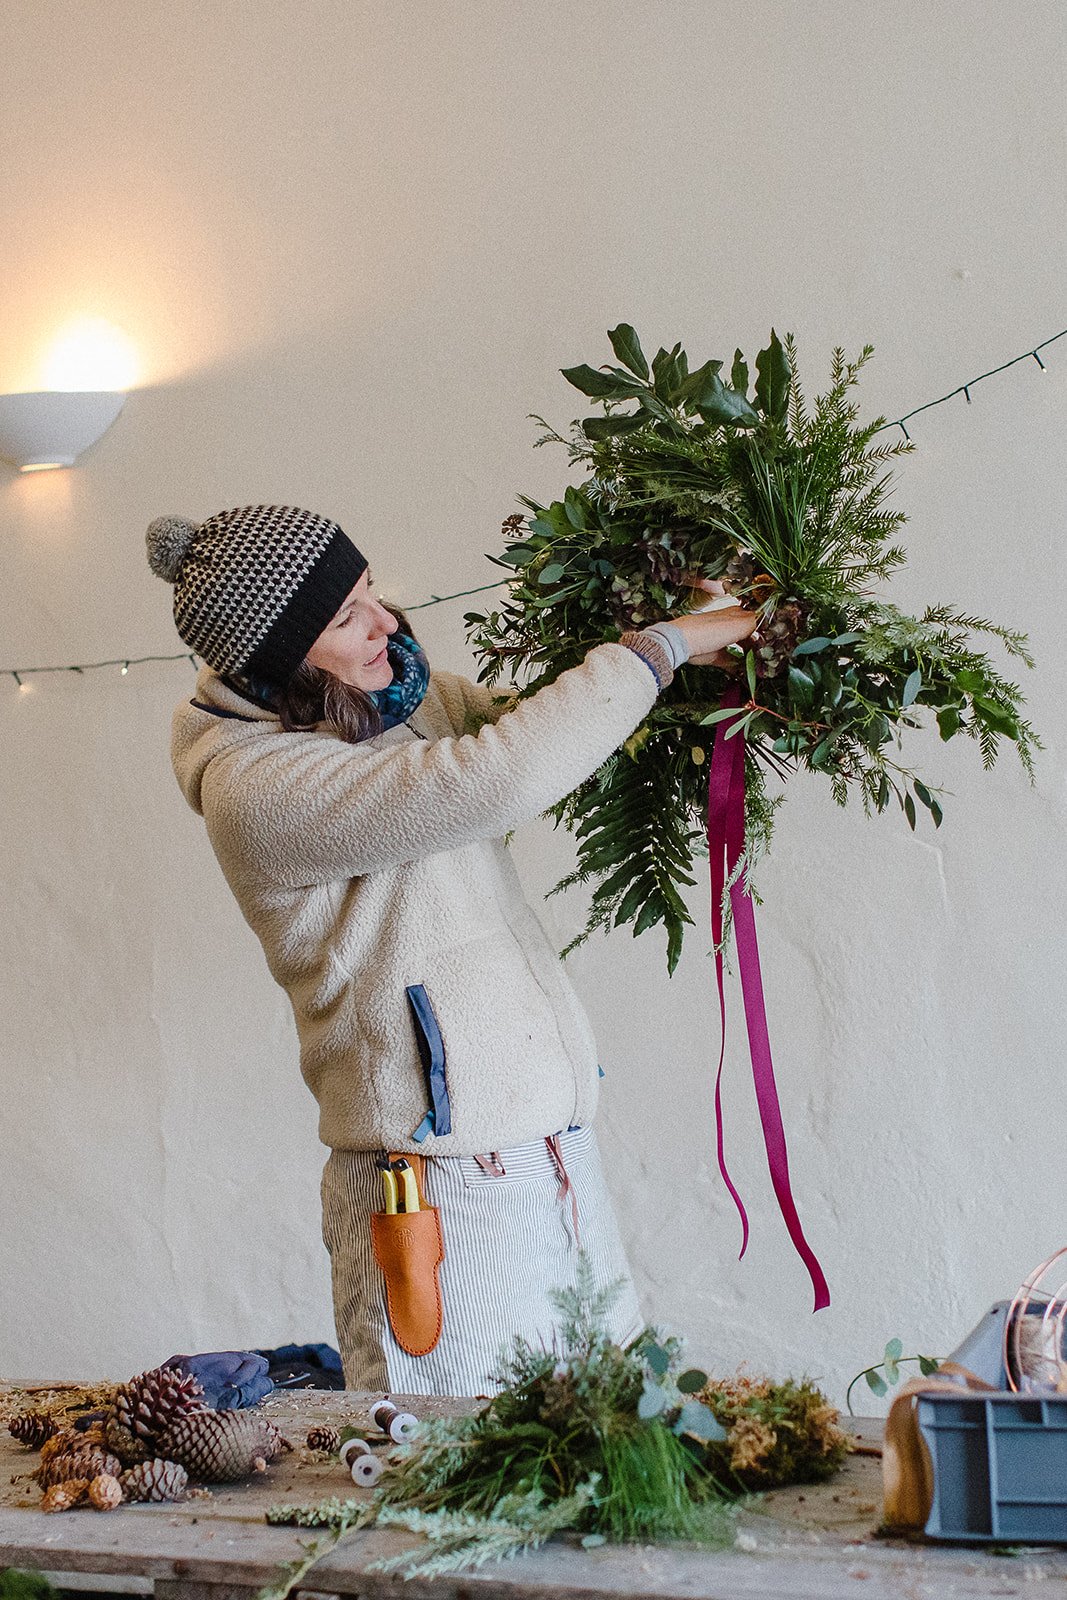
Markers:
point(509, 1241)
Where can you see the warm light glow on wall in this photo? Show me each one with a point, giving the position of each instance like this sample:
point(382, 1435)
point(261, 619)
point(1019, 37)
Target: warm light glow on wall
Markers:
point(90, 354)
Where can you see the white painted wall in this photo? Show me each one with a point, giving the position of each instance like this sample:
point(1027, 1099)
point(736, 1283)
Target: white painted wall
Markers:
point(353, 244)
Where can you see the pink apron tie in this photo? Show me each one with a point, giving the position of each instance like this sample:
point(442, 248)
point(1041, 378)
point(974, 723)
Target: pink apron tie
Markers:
point(566, 1187)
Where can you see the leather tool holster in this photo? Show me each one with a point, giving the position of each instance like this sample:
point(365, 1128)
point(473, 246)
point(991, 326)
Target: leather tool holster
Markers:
point(409, 1248)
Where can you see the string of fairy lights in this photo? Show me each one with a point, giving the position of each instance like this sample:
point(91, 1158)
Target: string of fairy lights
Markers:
point(21, 675)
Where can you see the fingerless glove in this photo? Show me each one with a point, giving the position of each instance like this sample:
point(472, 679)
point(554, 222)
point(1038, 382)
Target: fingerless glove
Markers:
point(661, 646)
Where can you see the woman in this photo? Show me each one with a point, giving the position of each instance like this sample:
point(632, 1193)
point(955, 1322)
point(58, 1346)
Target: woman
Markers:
point(357, 803)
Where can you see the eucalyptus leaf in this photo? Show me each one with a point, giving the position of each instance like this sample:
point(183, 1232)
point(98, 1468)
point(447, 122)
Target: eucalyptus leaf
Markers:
point(551, 573)
point(809, 647)
point(739, 726)
point(909, 811)
point(875, 1382)
point(657, 1359)
point(911, 688)
point(692, 1381)
point(652, 1403)
point(700, 1421)
point(928, 1365)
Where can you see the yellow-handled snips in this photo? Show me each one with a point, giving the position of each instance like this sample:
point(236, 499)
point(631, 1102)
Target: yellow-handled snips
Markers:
point(400, 1186)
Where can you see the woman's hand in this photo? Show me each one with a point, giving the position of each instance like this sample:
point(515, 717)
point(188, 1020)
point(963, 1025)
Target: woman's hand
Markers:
point(707, 633)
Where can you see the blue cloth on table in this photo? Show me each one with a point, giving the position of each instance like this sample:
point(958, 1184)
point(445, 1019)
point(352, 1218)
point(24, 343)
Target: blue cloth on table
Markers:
point(231, 1379)
point(305, 1366)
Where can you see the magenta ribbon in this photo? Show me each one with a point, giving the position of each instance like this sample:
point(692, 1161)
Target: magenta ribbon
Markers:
point(726, 840)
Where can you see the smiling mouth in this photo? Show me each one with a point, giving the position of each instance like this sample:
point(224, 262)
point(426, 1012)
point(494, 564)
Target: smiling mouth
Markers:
point(375, 659)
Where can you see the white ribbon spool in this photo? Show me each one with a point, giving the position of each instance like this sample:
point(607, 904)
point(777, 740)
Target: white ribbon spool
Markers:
point(399, 1425)
point(365, 1468)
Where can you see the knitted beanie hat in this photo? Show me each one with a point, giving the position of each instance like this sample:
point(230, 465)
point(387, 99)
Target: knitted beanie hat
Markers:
point(254, 586)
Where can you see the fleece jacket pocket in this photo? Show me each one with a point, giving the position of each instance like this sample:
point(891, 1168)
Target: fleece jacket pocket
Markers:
point(438, 1118)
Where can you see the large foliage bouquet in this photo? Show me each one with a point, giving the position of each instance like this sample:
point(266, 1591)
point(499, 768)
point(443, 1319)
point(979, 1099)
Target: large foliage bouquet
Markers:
point(689, 475)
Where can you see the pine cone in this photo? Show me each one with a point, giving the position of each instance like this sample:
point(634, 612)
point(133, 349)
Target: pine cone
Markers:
point(154, 1480)
point(145, 1407)
point(33, 1428)
point(64, 1442)
point(324, 1438)
point(76, 1464)
point(222, 1446)
point(61, 1496)
point(105, 1492)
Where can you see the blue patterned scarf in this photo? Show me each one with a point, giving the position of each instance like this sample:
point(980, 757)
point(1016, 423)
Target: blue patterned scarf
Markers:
point(411, 677)
point(396, 702)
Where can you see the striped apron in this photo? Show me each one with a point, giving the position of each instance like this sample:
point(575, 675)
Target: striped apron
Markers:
point(512, 1222)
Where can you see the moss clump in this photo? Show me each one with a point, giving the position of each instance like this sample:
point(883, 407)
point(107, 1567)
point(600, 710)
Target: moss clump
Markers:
point(776, 1433)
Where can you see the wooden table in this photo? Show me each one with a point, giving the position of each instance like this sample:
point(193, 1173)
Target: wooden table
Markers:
point(804, 1544)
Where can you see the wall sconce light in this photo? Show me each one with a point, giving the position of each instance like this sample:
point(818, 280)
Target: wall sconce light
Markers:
point(88, 370)
point(51, 428)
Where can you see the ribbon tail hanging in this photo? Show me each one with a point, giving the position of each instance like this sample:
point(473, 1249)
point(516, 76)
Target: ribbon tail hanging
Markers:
point(726, 839)
point(719, 774)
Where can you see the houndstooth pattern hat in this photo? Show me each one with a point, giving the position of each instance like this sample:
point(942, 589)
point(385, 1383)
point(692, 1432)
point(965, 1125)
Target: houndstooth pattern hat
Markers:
point(254, 586)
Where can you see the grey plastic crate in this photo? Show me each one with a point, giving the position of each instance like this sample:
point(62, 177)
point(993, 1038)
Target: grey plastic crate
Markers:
point(1000, 1467)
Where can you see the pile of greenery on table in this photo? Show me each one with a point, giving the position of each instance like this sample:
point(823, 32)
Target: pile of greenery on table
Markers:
point(586, 1436)
point(688, 474)
point(604, 1441)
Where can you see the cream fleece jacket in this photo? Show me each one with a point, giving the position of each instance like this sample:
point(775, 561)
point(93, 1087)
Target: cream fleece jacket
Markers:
point(366, 868)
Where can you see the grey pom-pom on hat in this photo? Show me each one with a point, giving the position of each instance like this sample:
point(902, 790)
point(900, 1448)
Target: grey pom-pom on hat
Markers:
point(169, 540)
point(254, 586)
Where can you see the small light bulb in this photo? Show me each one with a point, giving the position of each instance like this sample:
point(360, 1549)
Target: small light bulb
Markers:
point(125, 668)
point(1039, 361)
